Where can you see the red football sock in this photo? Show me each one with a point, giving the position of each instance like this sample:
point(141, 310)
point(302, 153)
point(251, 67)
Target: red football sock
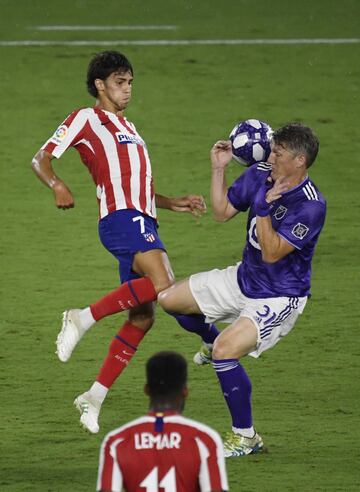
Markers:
point(128, 295)
point(122, 349)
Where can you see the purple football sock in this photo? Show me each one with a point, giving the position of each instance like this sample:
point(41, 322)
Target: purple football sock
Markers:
point(196, 324)
point(236, 388)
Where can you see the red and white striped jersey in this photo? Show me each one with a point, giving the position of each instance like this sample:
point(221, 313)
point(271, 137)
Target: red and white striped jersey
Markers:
point(115, 155)
point(162, 453)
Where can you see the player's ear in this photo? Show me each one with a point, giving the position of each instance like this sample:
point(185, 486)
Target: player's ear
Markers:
point(185, 392)
point(146, 390)
point(99, 84)
point(301, 160)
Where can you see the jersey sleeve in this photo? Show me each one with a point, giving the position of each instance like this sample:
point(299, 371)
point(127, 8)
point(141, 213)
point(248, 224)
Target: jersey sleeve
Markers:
point(212, 472)
point(68, 134)
point(242, 191)
point(110, 477)
point(302, 227)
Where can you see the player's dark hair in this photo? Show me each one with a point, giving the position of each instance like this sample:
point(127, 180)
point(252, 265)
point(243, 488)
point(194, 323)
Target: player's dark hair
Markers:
point(166, 374)
point(104, 64)
point(299, 139)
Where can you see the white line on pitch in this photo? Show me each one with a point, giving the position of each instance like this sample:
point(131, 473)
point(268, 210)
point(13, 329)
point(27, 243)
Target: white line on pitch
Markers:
point(105, 28)
point(182, 42)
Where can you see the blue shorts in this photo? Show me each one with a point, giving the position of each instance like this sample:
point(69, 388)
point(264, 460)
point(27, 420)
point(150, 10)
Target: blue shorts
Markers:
point(126, 232)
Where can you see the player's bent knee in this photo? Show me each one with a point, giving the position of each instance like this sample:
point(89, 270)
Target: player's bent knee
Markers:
point(164, 299)
point(163, 284)
point(170, 302)
point(219, 352)
point(222, 349)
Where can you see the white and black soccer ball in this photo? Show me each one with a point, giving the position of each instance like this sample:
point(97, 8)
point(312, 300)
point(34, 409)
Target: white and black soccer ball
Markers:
point(250, 142)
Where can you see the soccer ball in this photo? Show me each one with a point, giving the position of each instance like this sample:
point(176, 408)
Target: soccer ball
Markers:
point(250, 142)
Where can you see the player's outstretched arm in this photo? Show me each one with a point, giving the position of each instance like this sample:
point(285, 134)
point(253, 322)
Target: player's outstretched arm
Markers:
point(194, 204)
point(41, 165)
point(220, 156)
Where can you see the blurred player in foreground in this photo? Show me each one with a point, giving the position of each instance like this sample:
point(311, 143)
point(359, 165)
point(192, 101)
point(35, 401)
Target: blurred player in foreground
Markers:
point(264, 294)
point(118, 161)
point(163, 450)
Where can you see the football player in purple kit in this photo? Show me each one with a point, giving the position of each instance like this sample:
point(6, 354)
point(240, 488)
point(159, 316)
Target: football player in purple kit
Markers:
point(263, 295)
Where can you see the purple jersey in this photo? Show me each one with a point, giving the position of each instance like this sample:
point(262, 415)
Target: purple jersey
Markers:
point(298, 217)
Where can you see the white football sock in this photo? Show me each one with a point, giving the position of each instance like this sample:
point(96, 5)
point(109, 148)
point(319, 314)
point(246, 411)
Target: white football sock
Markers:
point(98, 391)
point(86, 319)
point(249, 432)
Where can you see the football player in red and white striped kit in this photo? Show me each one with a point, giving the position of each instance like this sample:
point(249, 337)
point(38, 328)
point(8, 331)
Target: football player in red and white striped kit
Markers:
point(163, 450)
point(118, 161)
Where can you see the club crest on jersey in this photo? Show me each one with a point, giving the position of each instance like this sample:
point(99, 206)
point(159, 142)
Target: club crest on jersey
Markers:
point(149, 237)
point(60, 134)
point(300, 231)
point(123, 138)
point(280, 212)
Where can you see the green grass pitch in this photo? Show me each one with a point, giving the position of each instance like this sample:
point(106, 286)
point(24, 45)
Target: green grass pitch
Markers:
point(185, 97)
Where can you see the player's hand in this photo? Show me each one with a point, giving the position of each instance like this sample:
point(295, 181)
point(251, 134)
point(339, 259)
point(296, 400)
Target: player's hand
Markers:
point(279, 187)
point(221, 154)
point(63, 196)
point(268, 193)
point(194, 204)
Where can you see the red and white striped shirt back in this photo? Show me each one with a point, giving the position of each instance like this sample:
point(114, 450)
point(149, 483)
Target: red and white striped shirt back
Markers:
point(115, 155)
point(186, 456)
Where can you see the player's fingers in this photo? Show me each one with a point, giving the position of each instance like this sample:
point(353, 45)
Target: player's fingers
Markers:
point(281, 188)
point(198, 203)
point(222, 144)
point(200, 206)
point(65, 206)
point(196, 200)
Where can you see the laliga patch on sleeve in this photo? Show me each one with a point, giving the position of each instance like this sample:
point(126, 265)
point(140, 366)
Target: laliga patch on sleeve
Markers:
point(300, 230)
point(60, 134)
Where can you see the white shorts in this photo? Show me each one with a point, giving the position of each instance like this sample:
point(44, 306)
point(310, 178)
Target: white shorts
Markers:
point(219, 297)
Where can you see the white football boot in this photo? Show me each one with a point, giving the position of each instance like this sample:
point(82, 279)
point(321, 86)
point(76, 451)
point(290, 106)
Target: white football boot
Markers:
point(89, 409)
point(237, 445)
point(70, 334)
point(204, 356)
